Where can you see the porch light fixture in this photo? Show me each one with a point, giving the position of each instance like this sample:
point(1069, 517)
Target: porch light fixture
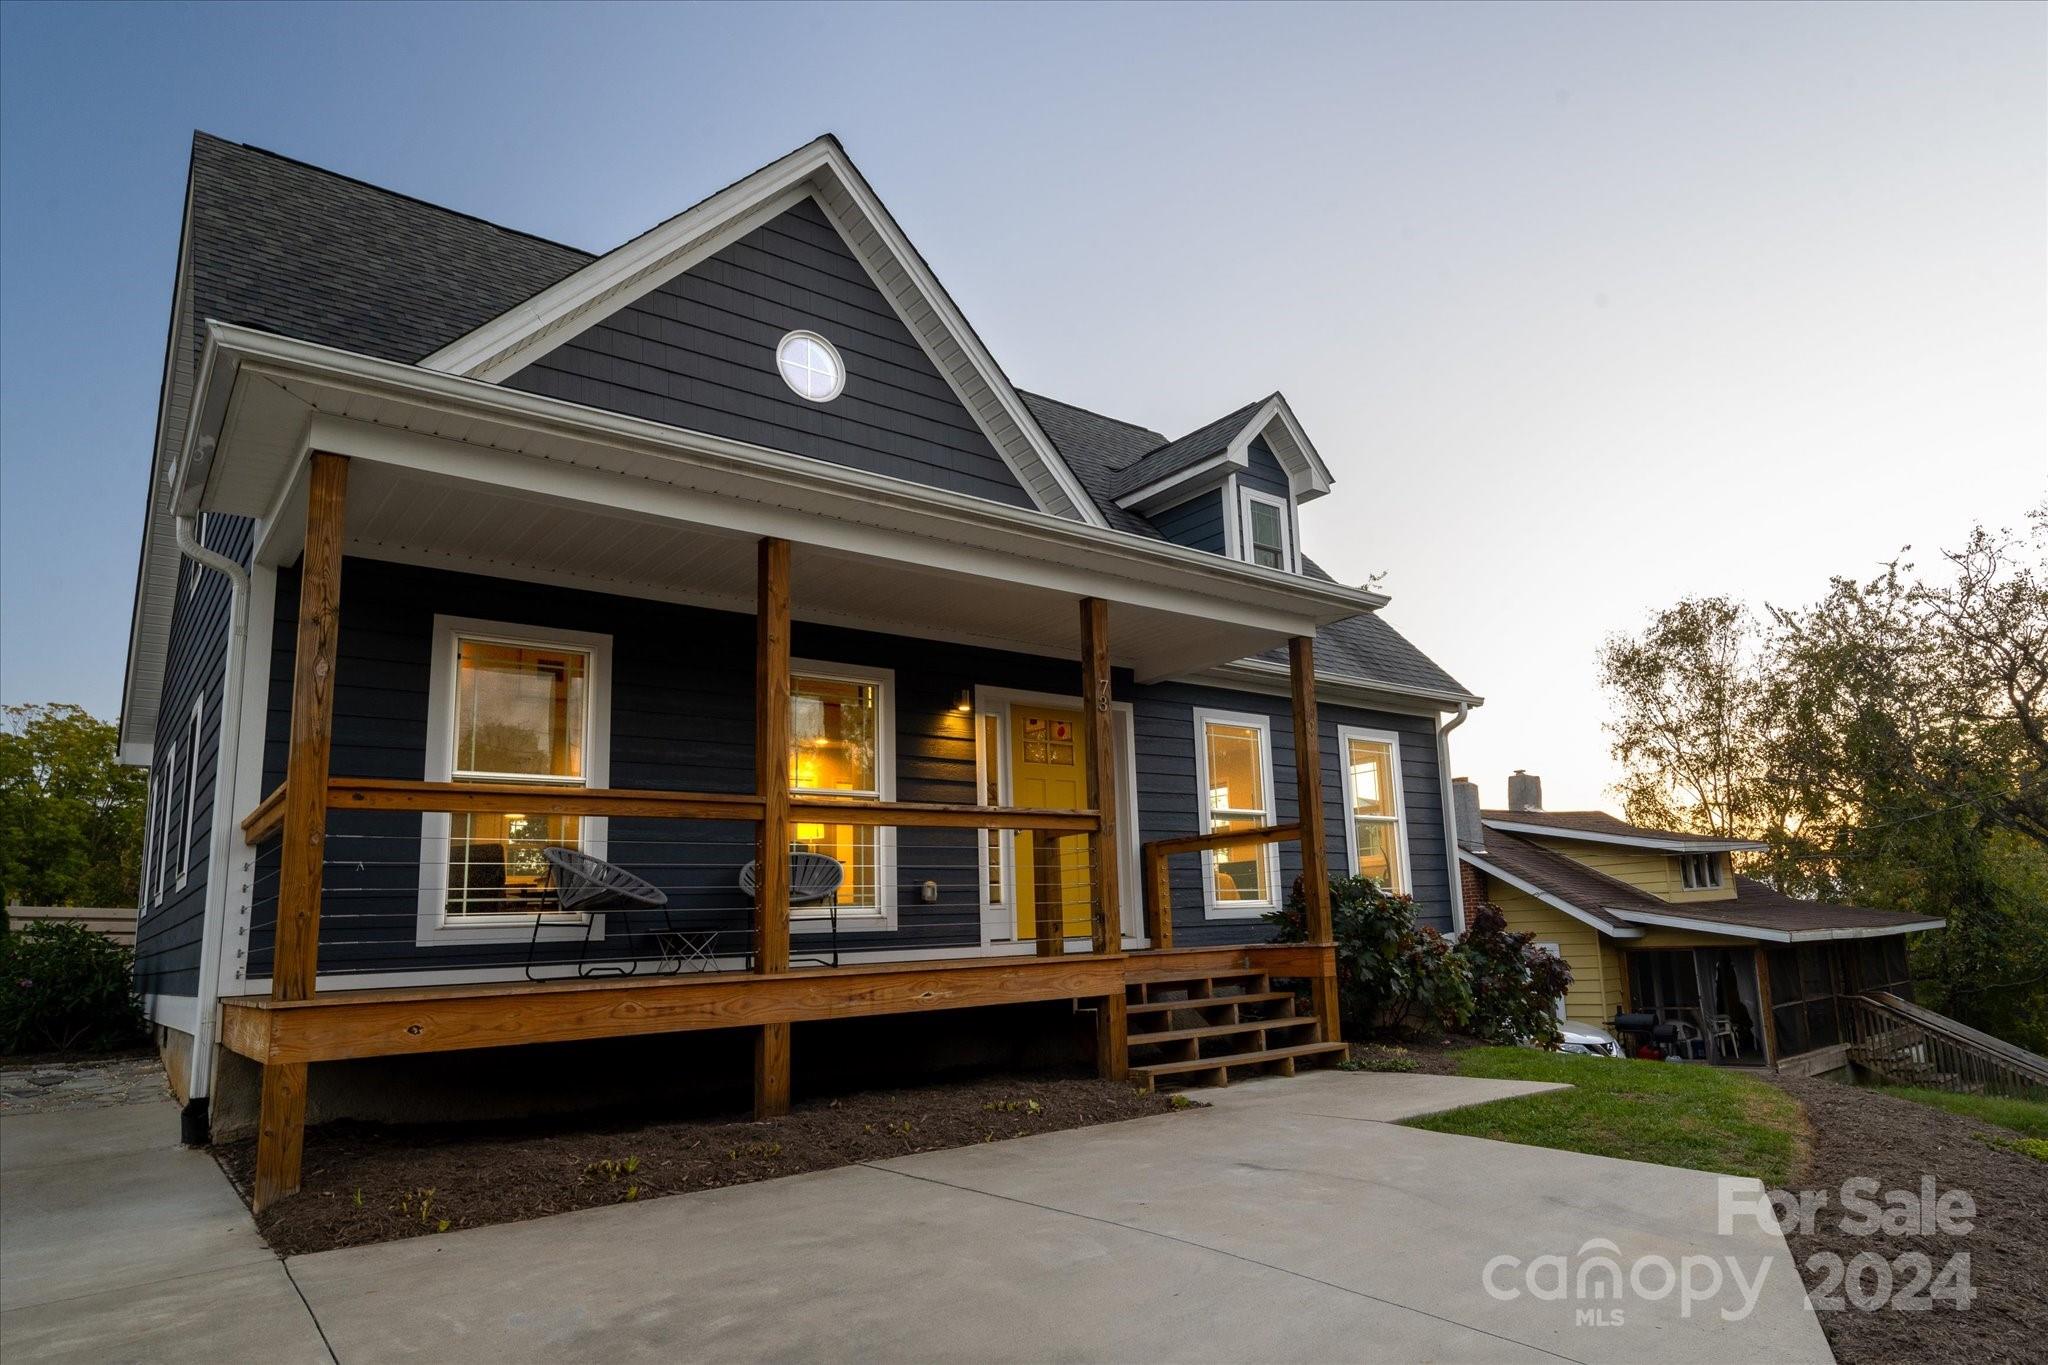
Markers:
point(811, 366)
point(963, 701)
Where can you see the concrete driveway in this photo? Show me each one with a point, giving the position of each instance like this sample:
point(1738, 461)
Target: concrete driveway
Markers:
point(1290, 1221)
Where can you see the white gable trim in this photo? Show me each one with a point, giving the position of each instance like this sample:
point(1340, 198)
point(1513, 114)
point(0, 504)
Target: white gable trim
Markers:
point(820, 170)
point(1307, 475)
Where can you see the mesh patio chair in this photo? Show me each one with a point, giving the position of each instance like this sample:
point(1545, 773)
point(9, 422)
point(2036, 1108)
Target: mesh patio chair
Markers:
point(813, 877)
point(589, 886)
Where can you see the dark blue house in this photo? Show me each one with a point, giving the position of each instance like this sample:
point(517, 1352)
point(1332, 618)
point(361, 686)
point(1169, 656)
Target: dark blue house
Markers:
point(734, 542)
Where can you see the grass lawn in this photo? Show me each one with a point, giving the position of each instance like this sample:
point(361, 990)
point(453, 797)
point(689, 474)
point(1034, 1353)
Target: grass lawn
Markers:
point(2028, 1118)
point(1660, 1112)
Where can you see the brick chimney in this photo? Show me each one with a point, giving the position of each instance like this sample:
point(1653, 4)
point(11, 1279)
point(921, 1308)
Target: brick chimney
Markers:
point(1525, 791)
point(1465, 803)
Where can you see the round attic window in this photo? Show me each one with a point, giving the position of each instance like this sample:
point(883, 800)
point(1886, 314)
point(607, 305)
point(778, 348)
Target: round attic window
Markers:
point(811, 366)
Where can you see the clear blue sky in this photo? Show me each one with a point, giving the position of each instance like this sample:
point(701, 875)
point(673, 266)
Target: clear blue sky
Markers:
point(1587, 306)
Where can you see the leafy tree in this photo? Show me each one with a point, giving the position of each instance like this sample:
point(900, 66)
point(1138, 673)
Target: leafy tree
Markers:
point(70, 815)
point(1888, 741)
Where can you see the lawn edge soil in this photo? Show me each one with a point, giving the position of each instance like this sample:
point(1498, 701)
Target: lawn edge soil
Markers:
point(1859, 1131)
point(365, 1183)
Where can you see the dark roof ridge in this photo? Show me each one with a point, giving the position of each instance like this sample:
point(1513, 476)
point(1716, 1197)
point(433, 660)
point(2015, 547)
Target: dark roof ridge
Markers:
point(200, 133)
point(1100, 416)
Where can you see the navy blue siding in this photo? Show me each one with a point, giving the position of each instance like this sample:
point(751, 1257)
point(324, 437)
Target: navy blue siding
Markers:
point(682, 719)
point(1170, 805)
point(699, 353)
point(1196, 523)
point(1263, 471)
point(167, 936)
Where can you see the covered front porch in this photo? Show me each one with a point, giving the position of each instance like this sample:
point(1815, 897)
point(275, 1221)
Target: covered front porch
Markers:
point(334, 842)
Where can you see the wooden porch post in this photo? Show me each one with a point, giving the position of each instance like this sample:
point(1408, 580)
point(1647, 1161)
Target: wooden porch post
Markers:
point(771, 784)
point(295, 956)
point(1308, 786)
point(1763, 1002)
point(1103, 849)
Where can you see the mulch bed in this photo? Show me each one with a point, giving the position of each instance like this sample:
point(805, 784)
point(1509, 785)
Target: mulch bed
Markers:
point(365, 1183)
point(1863, 1132)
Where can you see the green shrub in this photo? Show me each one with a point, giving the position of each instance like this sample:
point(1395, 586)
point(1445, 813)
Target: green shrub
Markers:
point(1515, 984)
point(66, 988)
point(1391, 971)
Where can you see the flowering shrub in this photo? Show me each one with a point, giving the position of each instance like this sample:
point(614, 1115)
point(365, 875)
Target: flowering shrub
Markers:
point(65, 988)
point(1515, 984)
point(1391, 971)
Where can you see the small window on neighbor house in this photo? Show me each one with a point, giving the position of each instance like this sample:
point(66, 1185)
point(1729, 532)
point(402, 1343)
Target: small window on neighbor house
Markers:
point(811, 366)
point(1265, 530)
point(1700, 871)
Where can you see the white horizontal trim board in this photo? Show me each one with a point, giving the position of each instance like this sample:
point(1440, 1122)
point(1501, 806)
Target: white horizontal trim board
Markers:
point(180, 1012)
point(1554, 902)
point(1710, 926)
point(1629, 840)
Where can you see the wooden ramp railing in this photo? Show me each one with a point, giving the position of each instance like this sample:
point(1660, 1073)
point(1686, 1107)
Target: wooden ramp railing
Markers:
point(1908, 1044)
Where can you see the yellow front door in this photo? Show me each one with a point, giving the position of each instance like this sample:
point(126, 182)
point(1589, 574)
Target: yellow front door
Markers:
point(1048, 770)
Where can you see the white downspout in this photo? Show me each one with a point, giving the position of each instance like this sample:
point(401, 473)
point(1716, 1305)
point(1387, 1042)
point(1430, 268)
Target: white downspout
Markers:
point(221, 848)
point(1443, 775)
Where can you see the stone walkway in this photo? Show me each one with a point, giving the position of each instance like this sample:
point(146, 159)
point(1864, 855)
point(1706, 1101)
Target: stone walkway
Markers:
point(54, 1087)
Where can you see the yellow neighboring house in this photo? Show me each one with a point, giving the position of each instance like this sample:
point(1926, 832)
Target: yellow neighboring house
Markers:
point(1656, 922)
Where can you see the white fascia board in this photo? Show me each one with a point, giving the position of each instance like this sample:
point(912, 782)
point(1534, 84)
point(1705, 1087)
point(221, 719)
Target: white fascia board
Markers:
point(1631, 840)
point(1554, 902)
point(1307, 475)
point(612, 281)
point(1083, 552)
point(1343, 687)
point(1751, 931)
point(1183, 484)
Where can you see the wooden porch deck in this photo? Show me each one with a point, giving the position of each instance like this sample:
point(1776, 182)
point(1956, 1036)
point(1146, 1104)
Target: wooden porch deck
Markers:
point(407, 1021)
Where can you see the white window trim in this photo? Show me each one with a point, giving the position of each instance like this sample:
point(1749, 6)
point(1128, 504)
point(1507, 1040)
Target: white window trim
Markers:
point(1211, 907)
point(146, 884)
point(163, 823)
point(1712, 863)
point(434, 927)
point(1248, 496)
point(882, 918)
point(1392, 739)
point(838, 364)
point(996, 702)
point(191, 786)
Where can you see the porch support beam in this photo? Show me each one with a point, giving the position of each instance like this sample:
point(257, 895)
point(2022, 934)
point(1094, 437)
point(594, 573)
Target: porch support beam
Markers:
point(1106, 921)
point(295, 965)
point(1315, 864)
point(1769, 1030)
point(771, 786)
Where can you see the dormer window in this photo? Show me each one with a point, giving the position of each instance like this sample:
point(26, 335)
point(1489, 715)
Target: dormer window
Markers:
point(1700, 871)
point(1263, 519)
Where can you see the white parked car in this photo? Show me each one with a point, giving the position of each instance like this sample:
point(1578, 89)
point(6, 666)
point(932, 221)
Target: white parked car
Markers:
point(1587, 1040)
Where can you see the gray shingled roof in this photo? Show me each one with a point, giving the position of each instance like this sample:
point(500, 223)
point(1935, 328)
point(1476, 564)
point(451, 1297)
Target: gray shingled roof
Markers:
point(290, 248)
point(1095, 447)
point(1565, 878)
point(1211, 438)
point(1759, 906)
point(1597, 823)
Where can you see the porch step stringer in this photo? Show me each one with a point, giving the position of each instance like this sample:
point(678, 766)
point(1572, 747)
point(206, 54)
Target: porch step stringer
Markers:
point(1200, 1029)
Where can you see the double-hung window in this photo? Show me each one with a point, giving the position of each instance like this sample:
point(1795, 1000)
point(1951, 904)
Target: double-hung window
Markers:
point(1234, 773)
point(840, 728)
point(191, 786)
point(1375, 831)
point(510, 705)
point(1263, 521)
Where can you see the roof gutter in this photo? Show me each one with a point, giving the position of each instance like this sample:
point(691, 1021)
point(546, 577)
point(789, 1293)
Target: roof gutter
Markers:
point(1756, 931)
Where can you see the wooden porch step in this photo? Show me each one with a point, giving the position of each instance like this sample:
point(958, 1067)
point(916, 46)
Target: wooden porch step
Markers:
point(1179, 1035)
point(1208, 1002)
point(1218, 1068)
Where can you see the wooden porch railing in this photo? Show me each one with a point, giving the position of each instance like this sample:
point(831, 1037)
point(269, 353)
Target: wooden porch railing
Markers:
point(1905, 1044)
point(1158, 883)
